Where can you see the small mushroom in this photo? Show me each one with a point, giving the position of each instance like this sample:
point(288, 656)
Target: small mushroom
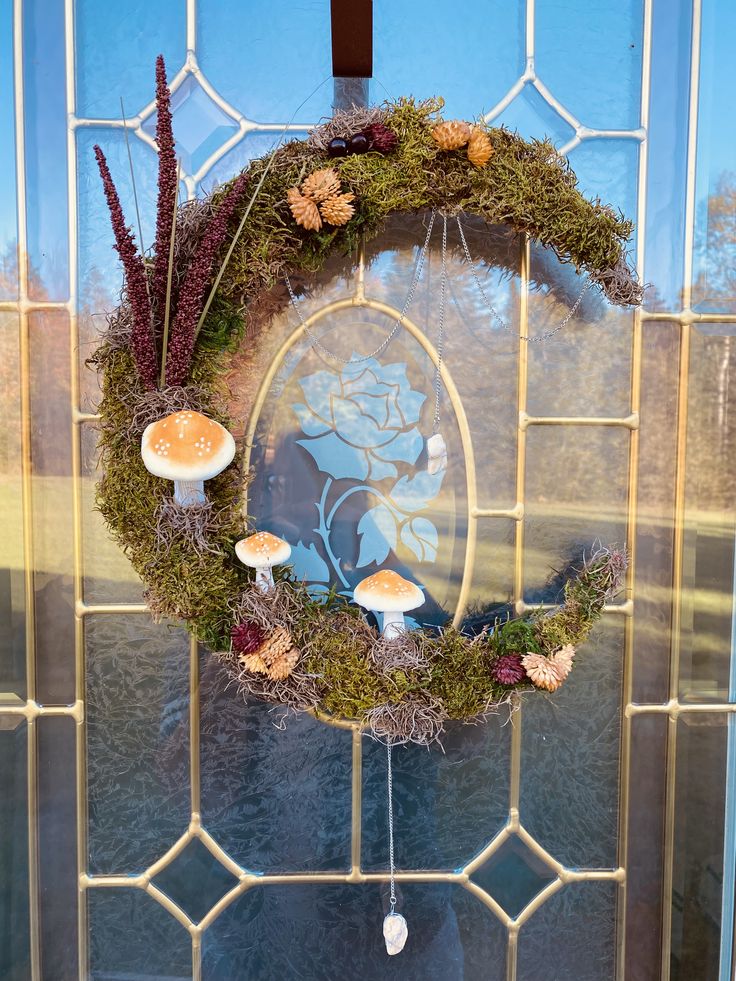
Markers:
point(188, 448)
point(389, 593)
point(261, 551)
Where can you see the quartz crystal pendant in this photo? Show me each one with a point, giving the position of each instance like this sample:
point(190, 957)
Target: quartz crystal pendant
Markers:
point(395, 932)
point(436, 453)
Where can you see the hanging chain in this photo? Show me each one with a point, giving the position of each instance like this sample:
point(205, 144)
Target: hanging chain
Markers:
point(495, 314)
point(441, 336)
point(317, 344)
point(392, 866)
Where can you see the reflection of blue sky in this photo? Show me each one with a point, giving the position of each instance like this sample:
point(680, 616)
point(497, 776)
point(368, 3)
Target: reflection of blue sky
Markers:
point(589, 56)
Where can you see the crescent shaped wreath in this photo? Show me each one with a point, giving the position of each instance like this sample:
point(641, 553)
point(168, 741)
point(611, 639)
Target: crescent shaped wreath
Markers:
point(205, 294)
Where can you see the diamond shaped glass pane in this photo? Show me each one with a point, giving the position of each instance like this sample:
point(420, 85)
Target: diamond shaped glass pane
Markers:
point(513, 875)
point(534, 118)
point(195, 880)
point(200, 125)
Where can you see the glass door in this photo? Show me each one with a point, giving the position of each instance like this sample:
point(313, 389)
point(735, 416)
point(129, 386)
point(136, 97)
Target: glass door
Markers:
point(152, 825)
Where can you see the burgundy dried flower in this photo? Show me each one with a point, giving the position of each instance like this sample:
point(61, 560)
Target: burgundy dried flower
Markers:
point(247, 637)
point(381, 138)
point(508, 669)
point(142, 343)
point(192, 290)
point(167, 190)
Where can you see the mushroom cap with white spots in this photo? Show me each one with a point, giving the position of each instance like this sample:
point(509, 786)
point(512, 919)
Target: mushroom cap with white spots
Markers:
point(388, 592)
point(262, 550)
point(186, 446)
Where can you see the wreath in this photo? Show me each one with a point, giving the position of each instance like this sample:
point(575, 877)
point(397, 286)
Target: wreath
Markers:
point(203, 296)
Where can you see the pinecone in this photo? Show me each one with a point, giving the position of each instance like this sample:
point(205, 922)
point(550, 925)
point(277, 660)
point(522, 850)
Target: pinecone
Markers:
point(451, 135)
point(480, 148)
point(508, 669)
point(304, 210)
point(381, 138)
point(320, 185)
point(338, 210)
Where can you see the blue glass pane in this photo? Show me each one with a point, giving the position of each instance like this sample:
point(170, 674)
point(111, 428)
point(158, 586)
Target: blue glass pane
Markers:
point(15, 947)
point(195, 880)
point(514, 875)
point(714, 282)
point(252, 146)
point(45, 116)
point(607, 169)
point(469, 56)
point(137, 741)
point(589, 56)
point(100, 271)
point(332, 932)
point(266, 58)
point(116, 48)
point(571, 935)
point(275, 800)
point(200, 125)
point(8, 221)
point(667, 163)
point(132, 936)
point(569, 772)
point(448, 803)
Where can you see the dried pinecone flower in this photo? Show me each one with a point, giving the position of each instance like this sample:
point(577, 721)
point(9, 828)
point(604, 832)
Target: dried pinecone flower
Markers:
point(338, 210)
point(480, 148)
point(451, 135)
point(381, 138)
point(320, 185)
point(508, 669)
point(304, 210)
point(542, 671)
point(272, 654)
point(562, 660)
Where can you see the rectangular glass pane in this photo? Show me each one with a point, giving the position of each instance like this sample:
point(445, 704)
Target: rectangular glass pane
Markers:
point(15, 940)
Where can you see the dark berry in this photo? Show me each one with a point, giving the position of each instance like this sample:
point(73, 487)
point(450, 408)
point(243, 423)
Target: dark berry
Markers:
point(359, 143)
point(337, 147)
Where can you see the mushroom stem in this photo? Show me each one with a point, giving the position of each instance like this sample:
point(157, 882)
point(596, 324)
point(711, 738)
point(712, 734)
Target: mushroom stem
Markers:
point(393, 625)
point(189, 492)
point(264, 577)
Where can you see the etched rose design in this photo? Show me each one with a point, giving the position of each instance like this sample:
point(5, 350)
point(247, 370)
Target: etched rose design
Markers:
point(361, 421)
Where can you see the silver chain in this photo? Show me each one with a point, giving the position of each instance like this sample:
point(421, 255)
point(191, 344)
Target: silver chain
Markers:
point(495, 314)
point(392, 866)
point(441, 335)
point(317, 344)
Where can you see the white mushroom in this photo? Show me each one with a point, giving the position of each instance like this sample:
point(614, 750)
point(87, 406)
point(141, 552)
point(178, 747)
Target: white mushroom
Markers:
point(261, 551)
point(188, 448)
point(389, 593)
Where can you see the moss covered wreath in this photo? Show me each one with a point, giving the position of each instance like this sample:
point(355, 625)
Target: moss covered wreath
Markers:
point(206, 293)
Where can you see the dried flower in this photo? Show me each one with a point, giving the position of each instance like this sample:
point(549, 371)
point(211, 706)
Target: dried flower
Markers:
point(194, 286)
point(480, 148)
point(322, 184)
point(247, 637)
point(562, 661)
point(542, 671)
point(508, 669)
point(381, 138)
point(304, 210)
point(167, 190)
point(338, 210)
point(451, 135)
point(142, 343)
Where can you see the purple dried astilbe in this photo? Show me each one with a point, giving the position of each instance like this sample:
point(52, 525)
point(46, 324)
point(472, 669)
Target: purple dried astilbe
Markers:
point(167, 191)
point(142, 343)
point(193, 288)
point(508, 669)
point(247, 637)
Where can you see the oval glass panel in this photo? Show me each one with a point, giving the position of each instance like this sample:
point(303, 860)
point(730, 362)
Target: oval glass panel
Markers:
point(339, 451)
